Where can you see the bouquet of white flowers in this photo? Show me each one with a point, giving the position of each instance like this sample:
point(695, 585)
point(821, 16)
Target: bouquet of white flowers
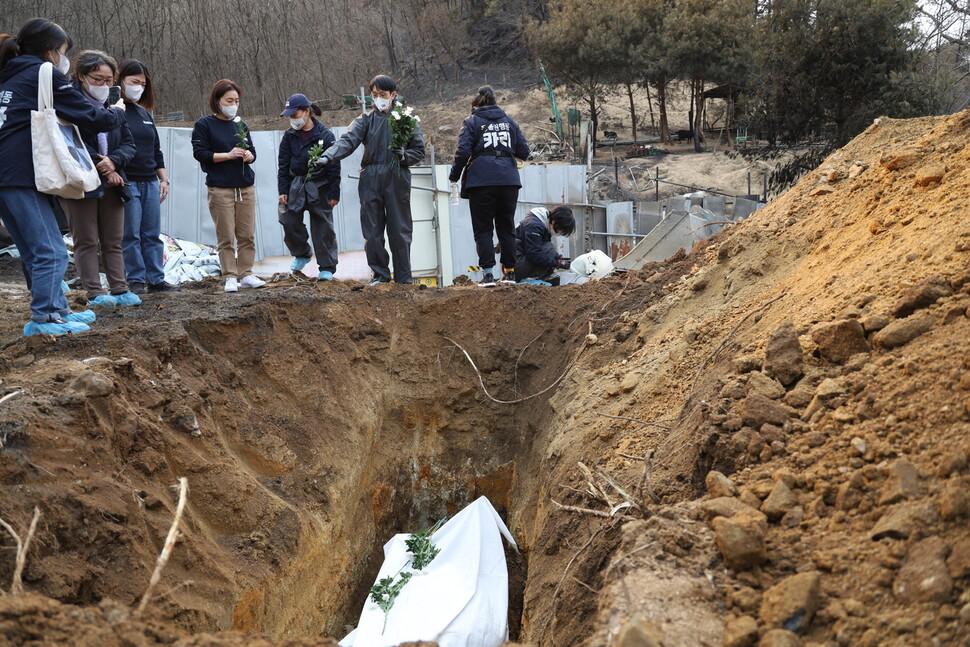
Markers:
point(402, 123)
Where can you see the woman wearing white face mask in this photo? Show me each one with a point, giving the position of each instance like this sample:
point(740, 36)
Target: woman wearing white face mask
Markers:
point(302, 187)
point(97, 221)
point(222, 145)
point(28, 214)
point(148, 181)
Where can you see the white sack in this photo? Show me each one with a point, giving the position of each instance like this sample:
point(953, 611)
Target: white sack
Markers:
point(594, 265)
point(460, 599)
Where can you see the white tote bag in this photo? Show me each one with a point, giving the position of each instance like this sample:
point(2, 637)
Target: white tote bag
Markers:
point(62, 165)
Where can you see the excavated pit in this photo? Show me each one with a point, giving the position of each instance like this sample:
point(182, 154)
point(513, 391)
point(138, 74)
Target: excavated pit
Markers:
point(311, 429)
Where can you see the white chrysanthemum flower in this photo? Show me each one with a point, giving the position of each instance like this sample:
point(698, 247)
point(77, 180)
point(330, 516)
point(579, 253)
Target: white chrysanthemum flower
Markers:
point(408, 111)
point(320, 143)
point(236, 119)
point(417, 118)
point(396, 115)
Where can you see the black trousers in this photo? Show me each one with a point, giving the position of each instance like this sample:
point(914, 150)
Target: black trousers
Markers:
point(385, 204)
point(493, 210)
point(321, 231)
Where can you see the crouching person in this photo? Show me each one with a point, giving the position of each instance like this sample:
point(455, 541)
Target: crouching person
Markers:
point(305, 185)
point(536, 258)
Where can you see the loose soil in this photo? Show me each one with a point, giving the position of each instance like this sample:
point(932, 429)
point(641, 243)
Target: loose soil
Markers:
point(817, 355)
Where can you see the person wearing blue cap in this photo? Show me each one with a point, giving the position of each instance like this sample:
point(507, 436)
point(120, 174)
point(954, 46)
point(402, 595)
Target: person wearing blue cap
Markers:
point(306, 186)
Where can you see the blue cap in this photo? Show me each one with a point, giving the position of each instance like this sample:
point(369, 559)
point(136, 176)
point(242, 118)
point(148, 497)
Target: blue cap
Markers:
point(294, 103)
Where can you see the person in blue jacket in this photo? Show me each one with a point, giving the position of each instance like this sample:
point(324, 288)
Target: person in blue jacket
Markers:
point(98, 219)
point(302, 188)
point(536, 255)
point(148, 185)
point(488, 144)
point(28, 214)
point(385, 183)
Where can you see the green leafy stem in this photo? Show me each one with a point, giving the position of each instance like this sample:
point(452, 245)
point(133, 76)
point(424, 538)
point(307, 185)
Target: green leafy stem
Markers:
point(422, 551)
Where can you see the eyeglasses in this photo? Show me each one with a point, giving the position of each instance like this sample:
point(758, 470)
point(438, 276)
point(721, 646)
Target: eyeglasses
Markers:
point(99, 80)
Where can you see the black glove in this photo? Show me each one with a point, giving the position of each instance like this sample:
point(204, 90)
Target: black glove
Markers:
point(401, 153)
point(323, 162)
point(562, 263)
point(319, 172)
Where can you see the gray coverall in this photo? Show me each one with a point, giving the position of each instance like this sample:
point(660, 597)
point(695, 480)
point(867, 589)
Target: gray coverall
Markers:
point(385, 192)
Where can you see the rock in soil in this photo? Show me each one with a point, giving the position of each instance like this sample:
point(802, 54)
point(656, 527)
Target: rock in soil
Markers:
point(741, 539)
point(791, 604)
point(903, 331)
point(924, 577)
point(741, 632)
point(783, 355)
point(839, 340)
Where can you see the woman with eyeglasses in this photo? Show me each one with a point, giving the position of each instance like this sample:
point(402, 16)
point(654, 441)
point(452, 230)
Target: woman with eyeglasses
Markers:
point(28, 214)
point(148, 185)
point(97, 220)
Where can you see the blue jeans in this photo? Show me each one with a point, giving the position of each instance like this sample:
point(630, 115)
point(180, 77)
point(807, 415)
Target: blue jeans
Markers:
point(29, 217)
point(142, 248)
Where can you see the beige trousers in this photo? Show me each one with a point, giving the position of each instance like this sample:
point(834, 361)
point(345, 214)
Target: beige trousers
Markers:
point(234, 213)
point(98, 226)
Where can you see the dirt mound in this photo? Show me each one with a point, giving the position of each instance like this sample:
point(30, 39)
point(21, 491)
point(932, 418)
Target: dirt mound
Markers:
point(773, 432)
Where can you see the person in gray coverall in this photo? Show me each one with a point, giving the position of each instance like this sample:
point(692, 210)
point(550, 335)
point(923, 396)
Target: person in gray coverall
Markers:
point(385, 183)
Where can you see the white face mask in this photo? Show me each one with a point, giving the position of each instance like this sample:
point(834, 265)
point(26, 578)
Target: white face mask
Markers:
point(64, 64)
point(298, 123)
point(99, 92)
point(382, 104)
point(134, 92)
point(230, 111)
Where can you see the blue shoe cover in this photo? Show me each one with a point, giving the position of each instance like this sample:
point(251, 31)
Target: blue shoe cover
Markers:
point(127, 299)
point(298, 263)
point(59, 327)
point(105, 300)
point(535, 282)
point(85, 317)
point(325, 275)
point(65, 288)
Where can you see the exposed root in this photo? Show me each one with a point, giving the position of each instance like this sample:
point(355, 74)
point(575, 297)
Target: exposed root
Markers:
point(528, 397)
point(167, 549)
point(17, 585)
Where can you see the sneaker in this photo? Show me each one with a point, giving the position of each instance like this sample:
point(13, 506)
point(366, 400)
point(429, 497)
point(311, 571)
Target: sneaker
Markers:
point(127, 299)
point(137, 287)
point(508, 276)
point(85, 317)
point(104, 300)
point(298, 263)
point(232, 285)
point(251, 281)
point(56, 327)
point(376, 279)
point(325, 275)
point(535, 282)
point(164, 286)
point(488, 280)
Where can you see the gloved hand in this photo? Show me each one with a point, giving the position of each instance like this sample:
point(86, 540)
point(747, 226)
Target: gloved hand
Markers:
point(319, 172)
point(322, 162)
point(402, 153)
point(562, 263)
